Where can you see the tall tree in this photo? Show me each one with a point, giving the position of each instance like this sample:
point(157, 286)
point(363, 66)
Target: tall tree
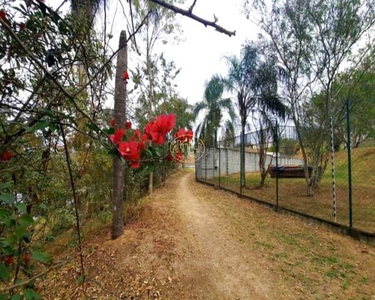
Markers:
point(269, 108)
point(241, 81)
point(312, 40)
point(213, 105)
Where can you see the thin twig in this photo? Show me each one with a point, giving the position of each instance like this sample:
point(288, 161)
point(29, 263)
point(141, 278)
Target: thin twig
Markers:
point(74, 198)
point(192, 6)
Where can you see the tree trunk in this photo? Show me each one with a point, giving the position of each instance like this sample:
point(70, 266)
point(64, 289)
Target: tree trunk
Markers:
point(120, 118)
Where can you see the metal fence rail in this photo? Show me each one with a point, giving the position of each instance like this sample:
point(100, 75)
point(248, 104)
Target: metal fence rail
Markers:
point(353, 207)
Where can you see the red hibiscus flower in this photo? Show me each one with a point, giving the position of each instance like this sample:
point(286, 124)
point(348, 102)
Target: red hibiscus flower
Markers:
point(125, 75)
point(117, 137)
point(8, 155)
point(158, 129)
point(137, 134)
point(113, 123)
point(128, 125)
point(144, 137)
point(129, 151)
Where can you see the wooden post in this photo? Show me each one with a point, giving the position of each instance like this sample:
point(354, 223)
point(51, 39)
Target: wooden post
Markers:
point(120, 118)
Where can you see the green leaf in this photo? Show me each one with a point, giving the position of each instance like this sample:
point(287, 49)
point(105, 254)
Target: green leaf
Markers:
point(21, 207)
point(4, 272)
point(43, 206)
point(41, 256)
point(109, 131)
point(31, 295)
point(52, 127)
point(3, 213)
point(93, 127)
point(40, 125)
point(148, 153)
point(4, 297)
point(16, 297)
point(20, 231)
point(5, 185)
point(7, 198)
point(25, 220)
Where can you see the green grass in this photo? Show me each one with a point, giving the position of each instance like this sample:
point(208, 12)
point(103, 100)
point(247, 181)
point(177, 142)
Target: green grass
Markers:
point(293, 191)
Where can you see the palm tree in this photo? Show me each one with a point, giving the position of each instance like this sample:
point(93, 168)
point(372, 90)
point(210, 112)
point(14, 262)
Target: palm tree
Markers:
point(254, 87)
point(240, 81)
point(214, 107)
point(269, 108)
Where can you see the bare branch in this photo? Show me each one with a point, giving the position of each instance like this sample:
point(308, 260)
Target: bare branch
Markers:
point(189, 14)
point(192, 6)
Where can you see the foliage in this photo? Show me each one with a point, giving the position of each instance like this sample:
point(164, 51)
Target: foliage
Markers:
point(213, 106)
point(312, 41)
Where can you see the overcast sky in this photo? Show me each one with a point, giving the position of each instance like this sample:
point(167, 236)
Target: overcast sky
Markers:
point(201, 54)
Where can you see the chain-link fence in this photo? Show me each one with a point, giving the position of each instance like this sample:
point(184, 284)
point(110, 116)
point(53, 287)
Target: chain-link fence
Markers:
point(339, 188)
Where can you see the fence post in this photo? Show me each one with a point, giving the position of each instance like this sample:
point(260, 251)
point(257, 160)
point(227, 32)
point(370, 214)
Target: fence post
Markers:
point(205, 166)
point(227, 166)
point(213, 164)
point(349, 147)
point(219, 167)
point(277, 164)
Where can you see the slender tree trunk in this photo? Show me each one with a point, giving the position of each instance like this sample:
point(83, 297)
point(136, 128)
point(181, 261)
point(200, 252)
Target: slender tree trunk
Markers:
point(120, 118)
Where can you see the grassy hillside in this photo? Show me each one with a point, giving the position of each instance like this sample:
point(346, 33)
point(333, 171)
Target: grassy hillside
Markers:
point(293, 191)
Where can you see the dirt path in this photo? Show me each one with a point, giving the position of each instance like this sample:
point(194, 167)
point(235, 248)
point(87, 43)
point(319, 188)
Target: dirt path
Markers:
point(218, 261)
point(193, 242)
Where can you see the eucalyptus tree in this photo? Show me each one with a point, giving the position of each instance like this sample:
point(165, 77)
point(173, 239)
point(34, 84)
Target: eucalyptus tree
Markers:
point(312, 41)
point(213, 107)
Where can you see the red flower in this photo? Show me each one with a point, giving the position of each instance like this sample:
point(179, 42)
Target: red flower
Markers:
point(8, 155)
point(26, 258)
point(128, 125)
point(129, 151)
point(125, 75)
point(135, 164)
point(144, 137)
point(113, 123)
point(184, 135)
point(137, 134)
point(9, 260)
point(3, 16)
point(158, 129)
point(22, 25)
point(169, 157)
point(117, 137)
point(189, 135)
point(179, 155)
point(141, 146)
point(180, 134)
